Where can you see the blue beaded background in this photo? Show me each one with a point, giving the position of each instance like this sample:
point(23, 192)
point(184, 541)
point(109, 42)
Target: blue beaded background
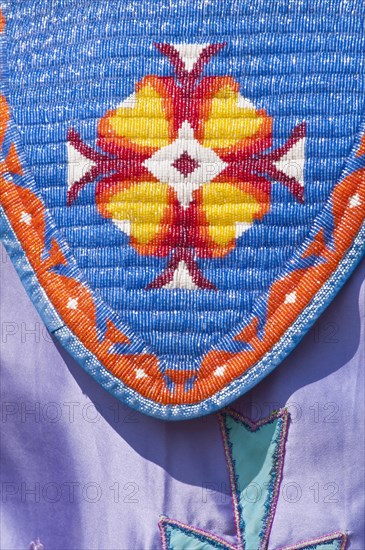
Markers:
point(298, 60)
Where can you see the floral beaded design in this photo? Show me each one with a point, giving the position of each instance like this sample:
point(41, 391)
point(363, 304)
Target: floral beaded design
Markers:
point(179, 249)
point(185, 166)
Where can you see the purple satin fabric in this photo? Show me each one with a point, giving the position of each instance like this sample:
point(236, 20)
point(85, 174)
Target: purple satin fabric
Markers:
point(81, 471)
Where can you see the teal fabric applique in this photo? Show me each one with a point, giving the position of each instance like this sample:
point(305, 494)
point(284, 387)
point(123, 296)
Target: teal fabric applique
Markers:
point(255, 456)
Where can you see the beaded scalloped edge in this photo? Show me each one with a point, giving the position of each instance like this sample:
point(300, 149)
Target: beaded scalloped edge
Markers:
point(117, 358)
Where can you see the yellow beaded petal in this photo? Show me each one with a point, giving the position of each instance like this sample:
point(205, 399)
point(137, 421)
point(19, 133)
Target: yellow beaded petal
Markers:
point(225, 206)
point(143, 205)
point(228, 123)
point(141, 119)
